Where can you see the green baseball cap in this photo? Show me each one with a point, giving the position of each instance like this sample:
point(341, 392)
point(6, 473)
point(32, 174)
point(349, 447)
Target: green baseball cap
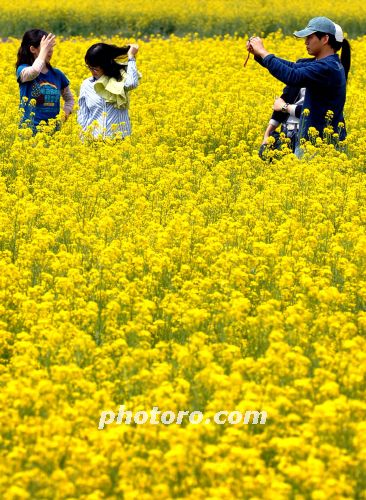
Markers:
point(322, 24)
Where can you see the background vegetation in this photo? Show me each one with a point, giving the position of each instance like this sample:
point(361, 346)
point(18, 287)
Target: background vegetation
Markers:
point(205, 17)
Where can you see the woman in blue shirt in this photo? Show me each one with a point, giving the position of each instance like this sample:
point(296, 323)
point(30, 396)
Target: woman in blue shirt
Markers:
point(41, 86)
point(324, 78)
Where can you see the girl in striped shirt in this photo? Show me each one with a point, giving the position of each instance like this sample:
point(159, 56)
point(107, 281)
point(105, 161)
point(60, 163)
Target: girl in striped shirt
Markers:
point(104, 97)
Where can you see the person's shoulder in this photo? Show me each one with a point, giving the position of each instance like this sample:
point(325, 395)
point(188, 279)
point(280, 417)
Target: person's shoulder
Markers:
point(60, 77)
point(21, 67)
point(326, 66)
point(88, 81)
point(333, 59)
point(330, 59)
point(334, 64)
point(58, 71)
point(18, 72)
point(329, 62)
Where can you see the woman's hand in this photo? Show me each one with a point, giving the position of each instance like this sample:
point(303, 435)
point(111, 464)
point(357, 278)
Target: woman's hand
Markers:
point(278, 104)
point(256, 47)
point(46, 45)
point(134, 48)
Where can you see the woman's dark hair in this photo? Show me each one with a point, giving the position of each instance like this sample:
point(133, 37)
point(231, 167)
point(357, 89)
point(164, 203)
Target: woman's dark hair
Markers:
point(336, 46)
point(103, 55)
point(30, 38)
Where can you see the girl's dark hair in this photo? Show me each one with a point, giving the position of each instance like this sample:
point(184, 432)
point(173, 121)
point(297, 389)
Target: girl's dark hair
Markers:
point(336, 46)
point(103, 55)
point(30, 37)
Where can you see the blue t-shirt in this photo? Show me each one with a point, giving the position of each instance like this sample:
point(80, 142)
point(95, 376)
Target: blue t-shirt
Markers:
point(46, 90)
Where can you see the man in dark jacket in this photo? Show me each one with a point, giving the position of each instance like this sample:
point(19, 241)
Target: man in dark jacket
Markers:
point(324, 78)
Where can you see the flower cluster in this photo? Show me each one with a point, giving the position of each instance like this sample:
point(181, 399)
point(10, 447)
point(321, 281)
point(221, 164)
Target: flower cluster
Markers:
point(177, 269)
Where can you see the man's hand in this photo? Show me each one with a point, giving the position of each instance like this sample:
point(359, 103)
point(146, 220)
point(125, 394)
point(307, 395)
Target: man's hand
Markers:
point(256, 47)
point(249, 47)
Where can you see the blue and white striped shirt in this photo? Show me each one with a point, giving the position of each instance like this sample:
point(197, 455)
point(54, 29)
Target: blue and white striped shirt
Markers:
point(94, 109)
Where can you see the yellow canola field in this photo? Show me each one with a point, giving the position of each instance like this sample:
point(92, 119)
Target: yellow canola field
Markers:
point(177, 270)
point(207, 17)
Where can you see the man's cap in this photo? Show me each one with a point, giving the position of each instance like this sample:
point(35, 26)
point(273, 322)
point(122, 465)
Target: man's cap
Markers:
point(324, 25)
